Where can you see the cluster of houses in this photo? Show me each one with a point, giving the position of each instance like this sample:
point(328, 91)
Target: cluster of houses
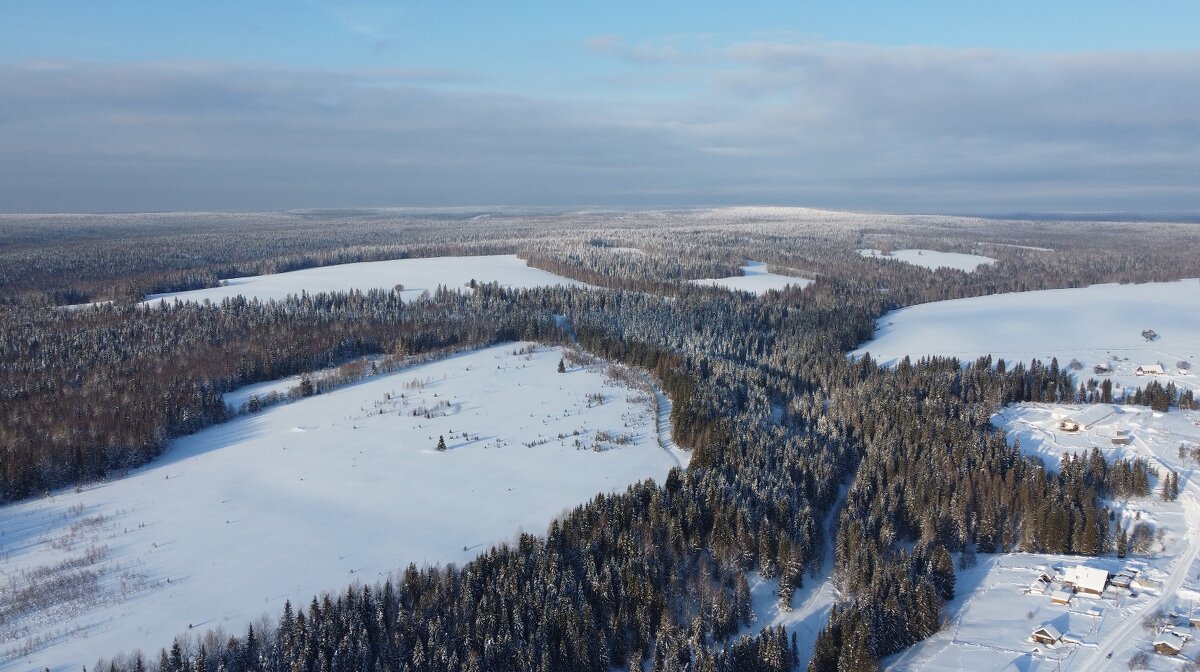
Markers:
point(1085, 580)
point(1093, 581)
point(1141, 370)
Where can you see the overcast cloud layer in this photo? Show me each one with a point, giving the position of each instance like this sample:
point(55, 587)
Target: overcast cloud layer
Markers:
point(827, 125)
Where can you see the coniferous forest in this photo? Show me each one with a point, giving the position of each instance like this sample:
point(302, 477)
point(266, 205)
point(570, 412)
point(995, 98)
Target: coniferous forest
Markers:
point(786, 432)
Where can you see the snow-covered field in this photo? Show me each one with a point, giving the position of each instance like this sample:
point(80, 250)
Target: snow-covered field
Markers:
point(417, 276)
point(756, 279)
point(932, 259)
point(313, 495)
point(1101, 324)
point(993, 615)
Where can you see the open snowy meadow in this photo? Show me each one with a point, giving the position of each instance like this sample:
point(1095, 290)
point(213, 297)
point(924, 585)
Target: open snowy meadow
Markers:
point(340, 487)
point(756, 279)
point(932, 259)
point(1097, 325)
point(416, 275)
point(995, 611)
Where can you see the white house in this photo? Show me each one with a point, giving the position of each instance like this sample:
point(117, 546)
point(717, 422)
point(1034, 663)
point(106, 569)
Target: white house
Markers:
point(1084, 579)
point(1149, 370)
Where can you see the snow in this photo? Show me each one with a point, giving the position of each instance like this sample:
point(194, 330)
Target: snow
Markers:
point(756, 279)
point(315, 494)
point(417, 276)
point(992, 615)
point(932, 259)
point(1100, 324)
point(811, 602)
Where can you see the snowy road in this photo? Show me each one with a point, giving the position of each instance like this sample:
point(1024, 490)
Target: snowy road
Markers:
point(1126, 633)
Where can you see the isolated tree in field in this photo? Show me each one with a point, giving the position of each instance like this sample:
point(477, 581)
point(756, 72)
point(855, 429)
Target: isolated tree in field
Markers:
point(441, 443)
point(562, 368)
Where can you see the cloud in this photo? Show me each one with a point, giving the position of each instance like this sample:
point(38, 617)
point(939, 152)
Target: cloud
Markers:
point(372, 20)
point(834, 125)
point(669, 52)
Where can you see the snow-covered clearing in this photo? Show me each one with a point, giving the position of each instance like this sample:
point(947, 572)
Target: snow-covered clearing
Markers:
point(932, 259)
point(756, 279)
point(1098, 325)
point(313, 495)
point(811, 602)
point(993, 615)
point(417, 276)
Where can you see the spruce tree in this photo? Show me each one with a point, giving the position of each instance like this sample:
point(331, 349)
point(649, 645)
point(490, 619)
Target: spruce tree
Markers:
point(441, 443)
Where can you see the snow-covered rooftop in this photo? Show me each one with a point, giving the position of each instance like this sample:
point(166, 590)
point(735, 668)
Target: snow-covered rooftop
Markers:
point(1087, 578)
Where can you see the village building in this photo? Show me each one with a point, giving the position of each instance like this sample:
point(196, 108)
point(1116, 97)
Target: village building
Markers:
point(1038, 587)
point(1084, 579)
point(1060, 597)
point(1046, 634)
point(1122, 438)
point(1149, 370)
point(1169, 642)
point(1124, 578)
point(1085, 418)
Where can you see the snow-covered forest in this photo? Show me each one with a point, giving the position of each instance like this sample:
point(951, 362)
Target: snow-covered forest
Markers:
point(785, 430)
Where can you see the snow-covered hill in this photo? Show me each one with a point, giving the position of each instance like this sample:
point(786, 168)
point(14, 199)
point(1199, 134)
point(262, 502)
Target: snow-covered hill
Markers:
point(316, 494)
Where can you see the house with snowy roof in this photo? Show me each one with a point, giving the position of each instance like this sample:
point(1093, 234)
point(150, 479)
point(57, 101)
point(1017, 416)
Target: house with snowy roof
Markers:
point(1046, 634)
point(1084, 579)
point(1169, 642)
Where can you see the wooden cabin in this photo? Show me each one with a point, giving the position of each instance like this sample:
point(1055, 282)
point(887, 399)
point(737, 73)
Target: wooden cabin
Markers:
point(1046, 634)
point(1169, 643)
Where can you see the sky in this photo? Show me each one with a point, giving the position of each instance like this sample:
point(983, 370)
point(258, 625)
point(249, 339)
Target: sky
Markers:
point(943, 107)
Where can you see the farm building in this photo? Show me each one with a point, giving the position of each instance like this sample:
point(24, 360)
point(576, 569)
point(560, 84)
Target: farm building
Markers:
point(1068, 425)
point(1085, 418)
point(1060, 597)
point(1143, 581)
point(1169, 642)
point(1124, 578)
point(1122, 438)
point(1194, 618)
point(1084, 579)
point(1149, 370)
point(1038, 587)
point(1046, 634)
